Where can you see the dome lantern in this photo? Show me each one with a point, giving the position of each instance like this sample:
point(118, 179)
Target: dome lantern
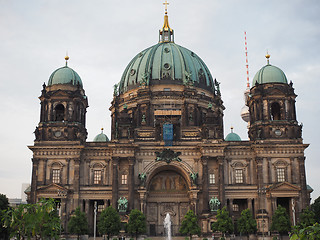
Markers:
point(166, 33)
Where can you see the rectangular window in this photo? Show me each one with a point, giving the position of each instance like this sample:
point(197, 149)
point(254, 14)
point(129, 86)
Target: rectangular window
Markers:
point(97, 177)
point(124, 179)
point(281, 175)
point(239, 176)
point(212, 179)
point(167, 89)
point(100, 208)
point(56, 175)
point(235, 207)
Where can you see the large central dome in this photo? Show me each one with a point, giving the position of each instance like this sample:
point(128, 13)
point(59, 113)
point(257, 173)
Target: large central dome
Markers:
point(166, 63)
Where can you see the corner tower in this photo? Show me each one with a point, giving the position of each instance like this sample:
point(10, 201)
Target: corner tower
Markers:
point(63, 108)
point(272, 106)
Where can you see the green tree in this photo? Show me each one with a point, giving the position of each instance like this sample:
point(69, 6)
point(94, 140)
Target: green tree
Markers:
point(4, 205)
point(310, 232)
point(39, 220)
point(223, 223)
point(307, 218)
point(137, 223)
point(246, 223)
point(189, 225)
point(315, 207)
point(109, 222)
point(78, 223)
point(280, 221)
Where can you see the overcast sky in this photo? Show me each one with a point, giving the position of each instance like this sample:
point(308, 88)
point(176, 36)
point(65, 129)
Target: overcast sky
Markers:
point(102, 36)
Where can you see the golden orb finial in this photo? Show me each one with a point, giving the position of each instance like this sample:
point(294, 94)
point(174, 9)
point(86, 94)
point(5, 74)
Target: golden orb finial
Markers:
point(232, 129)
point(101, 130)
point(66, 58)
point(267, 57)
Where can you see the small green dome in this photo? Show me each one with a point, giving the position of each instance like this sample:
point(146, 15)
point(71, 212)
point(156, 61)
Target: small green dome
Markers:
point(65, 75)
point(232, 136)
point(101, 137)
point(269, 74)
point(166, 63)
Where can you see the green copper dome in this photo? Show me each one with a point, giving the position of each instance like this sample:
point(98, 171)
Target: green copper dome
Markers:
point(101, 137)
point(166, 63)
point(232, 136)
point(65, 75)
point(269, 74)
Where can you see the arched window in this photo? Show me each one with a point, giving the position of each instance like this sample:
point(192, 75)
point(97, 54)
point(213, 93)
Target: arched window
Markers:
point(275, 111)
point(59, 112)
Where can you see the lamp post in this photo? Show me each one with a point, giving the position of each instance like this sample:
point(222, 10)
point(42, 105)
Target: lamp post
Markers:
point(95, 220)
point(293, 212)
point(261, 191)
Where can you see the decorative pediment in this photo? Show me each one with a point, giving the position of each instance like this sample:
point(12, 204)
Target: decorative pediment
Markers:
point(53, 188)
point(283, 188)
point(60, 93)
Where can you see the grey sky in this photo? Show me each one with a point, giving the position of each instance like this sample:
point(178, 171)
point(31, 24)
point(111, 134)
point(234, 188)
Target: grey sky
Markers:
point(102, 36)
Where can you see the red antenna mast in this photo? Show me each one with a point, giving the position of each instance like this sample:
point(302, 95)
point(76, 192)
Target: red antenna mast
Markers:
point(247, 64)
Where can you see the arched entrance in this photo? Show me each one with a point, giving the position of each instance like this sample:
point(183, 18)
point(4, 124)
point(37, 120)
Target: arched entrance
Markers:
point(168, 192)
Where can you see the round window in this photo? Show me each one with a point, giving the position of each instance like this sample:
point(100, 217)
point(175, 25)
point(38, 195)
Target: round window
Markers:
point(166, 66)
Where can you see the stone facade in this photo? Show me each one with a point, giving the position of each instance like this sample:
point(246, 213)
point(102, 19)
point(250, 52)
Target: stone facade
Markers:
point(160, 176)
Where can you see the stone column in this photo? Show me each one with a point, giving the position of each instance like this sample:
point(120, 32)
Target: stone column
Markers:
point(63, 211)
point(205, 185)
point(131, 183)
point(221, 191)
point(44, 162)
point(230, 206)
point(115, 181)
point(87, 202)
point(194, 199)
point(33, 195)
point(249, 203)
point(142, 198)
point(303, 183)
point(76, 182)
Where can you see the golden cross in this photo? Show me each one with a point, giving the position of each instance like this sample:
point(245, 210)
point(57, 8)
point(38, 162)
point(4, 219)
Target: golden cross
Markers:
point(166, 5)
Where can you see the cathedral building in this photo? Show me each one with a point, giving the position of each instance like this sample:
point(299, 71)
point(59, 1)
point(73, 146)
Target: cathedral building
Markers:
point(167, 152)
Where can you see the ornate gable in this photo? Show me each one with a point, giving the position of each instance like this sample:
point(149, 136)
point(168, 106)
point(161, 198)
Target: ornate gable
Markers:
point(53, 191)
point(283, 189)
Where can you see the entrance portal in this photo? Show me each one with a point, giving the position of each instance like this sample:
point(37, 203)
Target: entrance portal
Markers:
point(168, 193)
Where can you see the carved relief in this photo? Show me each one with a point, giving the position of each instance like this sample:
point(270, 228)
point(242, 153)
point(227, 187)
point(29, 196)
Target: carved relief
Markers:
point(168, 181)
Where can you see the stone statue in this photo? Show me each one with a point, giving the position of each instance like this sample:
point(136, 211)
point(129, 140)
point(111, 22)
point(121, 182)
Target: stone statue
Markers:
point(115, 90)
point(188, 81)
point(214, 204)
point(217, 84)
point(122, 204)
point(142, 177)
point(194, 177)
point(144, 80)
